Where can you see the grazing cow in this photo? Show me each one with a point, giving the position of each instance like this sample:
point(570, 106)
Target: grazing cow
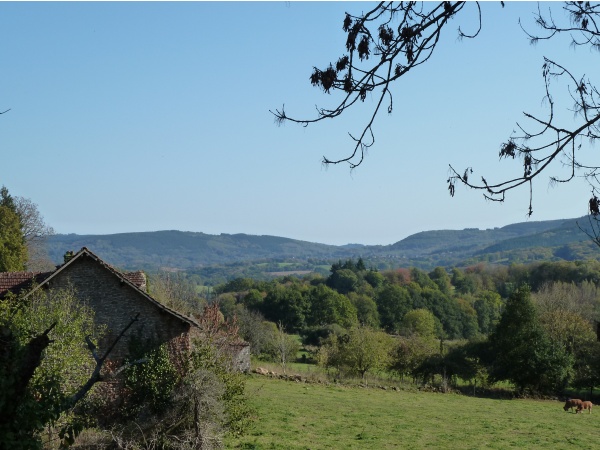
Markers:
point(584, 405)
point(572, 403)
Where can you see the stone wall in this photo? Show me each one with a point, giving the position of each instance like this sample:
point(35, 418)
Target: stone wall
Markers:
point(115, 303)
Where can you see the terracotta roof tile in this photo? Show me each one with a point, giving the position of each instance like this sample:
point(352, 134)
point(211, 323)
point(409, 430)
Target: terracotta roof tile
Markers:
point(17, 281)
point(138, 278)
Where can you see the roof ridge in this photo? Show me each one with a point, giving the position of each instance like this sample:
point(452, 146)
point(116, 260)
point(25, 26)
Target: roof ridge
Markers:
point(9, 283)
point(122, 276)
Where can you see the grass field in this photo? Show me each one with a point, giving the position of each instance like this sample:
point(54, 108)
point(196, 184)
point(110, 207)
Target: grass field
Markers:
point(293, 415)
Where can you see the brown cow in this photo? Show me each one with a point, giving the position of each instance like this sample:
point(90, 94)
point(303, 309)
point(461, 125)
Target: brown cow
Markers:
point(584, 405)
point(572, 403)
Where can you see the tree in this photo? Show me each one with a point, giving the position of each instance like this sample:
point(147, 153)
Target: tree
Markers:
point(524, 353)
point(195, 411)
point(468, 319)
point(393, 302)
point(237, 285)
point(343, 281)
point(419, 321)
point(587, 367)
point(374, 278)
point(566, 313)
point(253, 329)
point(546, 140)
point(387, 42)
point(176, 291)
point(284, 346)
point(422, 279)
point(463, 283)
point(411, 352)
point(286, 304)
point(578, 298)
point(227, 303)
point(198, 415)
point(446, 309)
point(462, 361)
point(13, 251)
point(33, 229)
point(253, 299)
point(360, 351)
point(563, 324)
point(328, 306)
point(488, 306)
point(7, 200)
point(440, 277)
point(366, 309)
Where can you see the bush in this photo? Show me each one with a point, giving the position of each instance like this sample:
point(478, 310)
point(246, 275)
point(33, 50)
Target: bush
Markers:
point(150, 384)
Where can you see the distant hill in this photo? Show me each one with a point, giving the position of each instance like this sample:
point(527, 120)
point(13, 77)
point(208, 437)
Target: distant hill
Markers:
point(470, 240)
point(181, 250)
point(185, 250)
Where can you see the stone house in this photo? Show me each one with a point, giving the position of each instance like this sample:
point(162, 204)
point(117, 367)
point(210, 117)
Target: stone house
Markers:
point(116, 297)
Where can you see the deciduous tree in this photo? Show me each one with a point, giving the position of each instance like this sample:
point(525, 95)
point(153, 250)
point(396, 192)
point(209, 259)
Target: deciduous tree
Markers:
point(328, 307)
point(366, 309)
point(419, 321)
point(393, 302)
point(360, 351)
point(524, 353)
point(285, 347)
point(488, 305)
point(33, 230)
point(176, 291)
point(411, 352)
point(288, 305)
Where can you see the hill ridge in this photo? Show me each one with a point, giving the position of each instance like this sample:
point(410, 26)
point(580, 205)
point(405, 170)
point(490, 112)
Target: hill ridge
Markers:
point(185, 250)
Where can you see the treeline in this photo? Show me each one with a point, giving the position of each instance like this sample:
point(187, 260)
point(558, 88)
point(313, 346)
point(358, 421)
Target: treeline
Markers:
point(468, 310)
point(465, 302)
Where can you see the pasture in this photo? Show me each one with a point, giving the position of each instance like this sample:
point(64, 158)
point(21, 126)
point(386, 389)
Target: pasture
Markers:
point(292, 415)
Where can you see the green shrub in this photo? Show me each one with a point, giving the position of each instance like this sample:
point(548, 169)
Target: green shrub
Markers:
point(151, 383)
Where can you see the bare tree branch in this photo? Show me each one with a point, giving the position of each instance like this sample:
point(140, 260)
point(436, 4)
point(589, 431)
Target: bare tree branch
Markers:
point(95, 376)
point(391, 39)
point(552, 141)
point(382, 46)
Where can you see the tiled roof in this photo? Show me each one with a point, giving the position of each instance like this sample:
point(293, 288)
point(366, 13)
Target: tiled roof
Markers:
point(124, 277)
point(17, 281)
point(138, 278)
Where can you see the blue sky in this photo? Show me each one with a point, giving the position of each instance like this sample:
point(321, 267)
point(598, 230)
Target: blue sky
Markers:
point(155, 116)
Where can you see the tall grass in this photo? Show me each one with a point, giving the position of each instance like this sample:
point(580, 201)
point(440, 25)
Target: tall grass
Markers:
point(293, 415)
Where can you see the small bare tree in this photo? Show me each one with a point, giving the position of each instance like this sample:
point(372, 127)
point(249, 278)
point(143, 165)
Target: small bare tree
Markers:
point(172, 289)
point(35, 232)
point(286, 346)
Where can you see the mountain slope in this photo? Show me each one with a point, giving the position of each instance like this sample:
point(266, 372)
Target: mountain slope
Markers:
point(469, 240)
point(521, 242)
point(184, 250)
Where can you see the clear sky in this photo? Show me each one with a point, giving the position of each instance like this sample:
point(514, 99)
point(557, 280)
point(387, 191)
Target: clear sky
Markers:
point(155, 116)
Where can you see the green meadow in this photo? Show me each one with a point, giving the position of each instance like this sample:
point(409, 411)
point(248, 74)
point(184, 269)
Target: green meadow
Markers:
point(292, 415)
